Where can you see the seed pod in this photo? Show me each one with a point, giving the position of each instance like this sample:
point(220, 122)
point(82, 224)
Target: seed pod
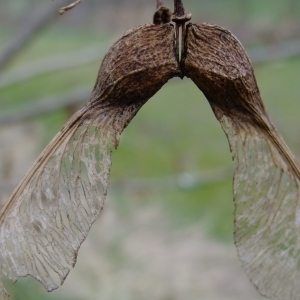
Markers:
point(214, 58)
point(51, 211)
point(134, 69)
point(267, 178)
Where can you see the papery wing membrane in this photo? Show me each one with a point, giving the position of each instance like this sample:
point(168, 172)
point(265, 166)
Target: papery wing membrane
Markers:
point(266, 179)
point(50, 213)
point(267, 212)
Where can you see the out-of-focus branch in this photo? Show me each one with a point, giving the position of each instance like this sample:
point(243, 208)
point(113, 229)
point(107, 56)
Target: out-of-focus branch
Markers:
point(159, 4)
point(271, 53)
point(54, 64)
point(7, 187)
point(46, 105)
point(68, 7)
point(185, 181)
point(92, 54)
point(36, 20)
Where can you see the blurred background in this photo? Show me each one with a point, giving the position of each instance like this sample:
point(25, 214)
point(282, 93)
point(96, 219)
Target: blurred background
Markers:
point(166, 231)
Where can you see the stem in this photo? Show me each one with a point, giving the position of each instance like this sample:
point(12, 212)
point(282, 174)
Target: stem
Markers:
point(180, 18)
point(66, 8)
point(178, 8)
point(159, 4)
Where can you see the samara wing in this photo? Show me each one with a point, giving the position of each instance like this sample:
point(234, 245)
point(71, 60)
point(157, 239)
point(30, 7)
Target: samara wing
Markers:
point(51, 211)
point(266, 178)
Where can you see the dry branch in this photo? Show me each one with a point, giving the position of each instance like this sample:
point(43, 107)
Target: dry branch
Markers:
point(46, 105)
point(184, 181)
point(267, 54)
point(36, 20)
point(264, 54)
point(62, 10)
point(53, 64)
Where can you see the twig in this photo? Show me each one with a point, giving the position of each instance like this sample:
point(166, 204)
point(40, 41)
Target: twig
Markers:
point(46, 105)
point(180, 18)
point(178, 8)
point(271, 53)
point(62, 10)
point(54, 64)
point(159, 4)
point(88, 55)
point(185, 181)
point(7, 187)
point(37, 20)
point(92, 54)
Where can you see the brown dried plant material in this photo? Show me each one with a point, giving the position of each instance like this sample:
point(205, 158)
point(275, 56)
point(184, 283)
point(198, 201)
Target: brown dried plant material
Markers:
point(50, 213)
point(62, 10)
point(162, 16)
point(266, 179)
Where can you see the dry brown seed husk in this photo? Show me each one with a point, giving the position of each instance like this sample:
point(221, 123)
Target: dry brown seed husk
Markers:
point(135, 68)
point(266, 180)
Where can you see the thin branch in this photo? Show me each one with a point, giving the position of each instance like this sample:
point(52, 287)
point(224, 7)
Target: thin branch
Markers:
point(267, 54)
point(54, 64)
point(92, 54)
point(183, 181)
point(62, 10)
point(179, 10)
point(36, 20)
point(159, 4)
point(7, 187)
point(45, 106)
